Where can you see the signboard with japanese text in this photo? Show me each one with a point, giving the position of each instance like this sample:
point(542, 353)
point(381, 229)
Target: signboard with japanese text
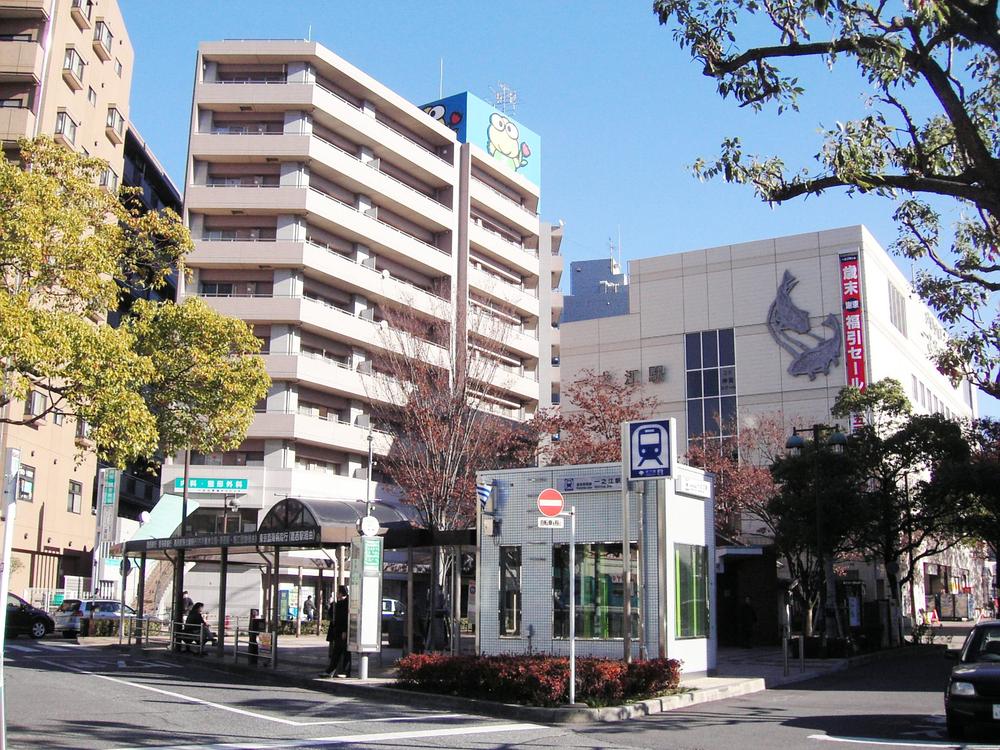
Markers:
point(855, 359)
point(589, 483)
point(364, 621)
point(212, 486)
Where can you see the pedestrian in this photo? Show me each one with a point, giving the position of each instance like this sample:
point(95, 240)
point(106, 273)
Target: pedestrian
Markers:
point(196, 626)
point(186, 603)
point(336, 636)
point(309, 609)
point(748, 623)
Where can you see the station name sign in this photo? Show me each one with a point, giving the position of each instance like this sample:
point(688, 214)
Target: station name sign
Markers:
point(212, 486)
point(252, 539)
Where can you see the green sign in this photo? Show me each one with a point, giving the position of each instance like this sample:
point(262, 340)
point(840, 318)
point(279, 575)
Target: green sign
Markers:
point(219, 486)
point(110, 482)
point(372, 554)
point(57, 599)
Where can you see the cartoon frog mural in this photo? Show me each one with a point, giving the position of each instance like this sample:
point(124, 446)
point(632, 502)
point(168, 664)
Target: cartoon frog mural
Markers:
point(502, 142)
point(440, 113)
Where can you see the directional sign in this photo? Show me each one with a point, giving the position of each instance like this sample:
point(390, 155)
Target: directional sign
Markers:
point(649, 449)
point(550, 502)
point(544, 522)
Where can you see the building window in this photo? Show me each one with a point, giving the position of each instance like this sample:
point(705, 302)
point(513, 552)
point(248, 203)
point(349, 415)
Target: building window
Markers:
point(103, 37)
point(73, 63)
point(710, 362)
point(26, 484)
point(65, 126)
point(115, 121)
point(82, 429)
point(600, 576)
point(58, 418)
point(657, 374)
point(74, 500)
point(510, 591)
point(118, 67)
point(631, 377)
point(91, 96)
point(691, 587)
point(34, 404)
point(109, 179)
point(897, 309)
point(17, 102)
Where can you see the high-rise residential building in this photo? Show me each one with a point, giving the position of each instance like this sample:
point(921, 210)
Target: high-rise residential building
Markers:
point(65, 72)
point(320, 201)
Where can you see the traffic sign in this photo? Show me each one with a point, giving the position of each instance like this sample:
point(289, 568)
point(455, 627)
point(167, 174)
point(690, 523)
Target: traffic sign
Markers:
point(550, 502)
point(544, 522)
point(649, 449)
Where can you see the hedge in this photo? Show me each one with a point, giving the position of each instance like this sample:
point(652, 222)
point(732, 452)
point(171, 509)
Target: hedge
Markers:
point(538, 680)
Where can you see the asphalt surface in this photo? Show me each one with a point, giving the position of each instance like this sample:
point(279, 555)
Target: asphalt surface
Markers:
point(63, 695)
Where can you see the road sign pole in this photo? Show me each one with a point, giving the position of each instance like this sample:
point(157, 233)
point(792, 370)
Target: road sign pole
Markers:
point(626, 548)
point(8, 485)
point(572, 605)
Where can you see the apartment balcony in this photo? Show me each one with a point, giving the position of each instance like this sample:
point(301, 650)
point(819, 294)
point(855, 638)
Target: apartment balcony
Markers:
point(82, 12)
point(250, 199)
point(514, 295)
point(236, 147)
point(383, 238)
point(318, 372)
point(516, 383)
point(324, 431)
point(557, 300)
point(498, 246)
point(396, 195)
point(518, 342)
point(16, 122)
point(346, 118)
point(558, 265)
point(513, 213)
point(21, 61)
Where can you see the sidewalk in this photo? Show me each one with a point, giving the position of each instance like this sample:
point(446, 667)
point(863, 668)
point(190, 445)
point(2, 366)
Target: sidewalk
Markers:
point(303, 660)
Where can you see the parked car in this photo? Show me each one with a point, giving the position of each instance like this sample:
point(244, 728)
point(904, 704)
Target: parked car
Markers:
point(24, 619)
point(394, 622)
point(973, 693)
point(73, 612)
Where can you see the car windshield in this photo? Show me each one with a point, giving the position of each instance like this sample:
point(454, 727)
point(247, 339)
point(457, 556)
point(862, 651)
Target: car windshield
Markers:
point(13, 600)
point(69, 605)
point(985, 645)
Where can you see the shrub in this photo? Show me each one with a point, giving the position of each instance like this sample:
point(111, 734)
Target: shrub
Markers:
point(537, 680)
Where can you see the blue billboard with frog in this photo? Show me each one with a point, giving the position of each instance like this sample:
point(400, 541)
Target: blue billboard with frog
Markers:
point(499, 135)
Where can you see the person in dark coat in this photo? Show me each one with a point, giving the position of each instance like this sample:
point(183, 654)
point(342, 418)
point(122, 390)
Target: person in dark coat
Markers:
point(196, 626)
point(336, 636)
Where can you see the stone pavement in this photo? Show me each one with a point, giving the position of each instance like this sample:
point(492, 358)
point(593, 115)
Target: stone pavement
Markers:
point(302, 661)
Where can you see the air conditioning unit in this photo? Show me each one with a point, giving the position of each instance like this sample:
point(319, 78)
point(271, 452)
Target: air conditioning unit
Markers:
point(364, 367)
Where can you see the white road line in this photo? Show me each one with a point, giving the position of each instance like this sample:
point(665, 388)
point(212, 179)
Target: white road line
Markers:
point(351, 739)
point(244, 712)
point(942, 745)
point(28, 649)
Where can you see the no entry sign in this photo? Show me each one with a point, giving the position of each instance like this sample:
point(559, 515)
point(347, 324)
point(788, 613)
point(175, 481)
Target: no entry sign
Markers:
point(550, 502)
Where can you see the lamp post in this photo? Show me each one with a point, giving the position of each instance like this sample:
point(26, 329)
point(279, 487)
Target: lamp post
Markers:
point(835, 442)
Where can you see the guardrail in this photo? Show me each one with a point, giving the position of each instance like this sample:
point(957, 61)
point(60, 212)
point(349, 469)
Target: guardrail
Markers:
point(255, 644)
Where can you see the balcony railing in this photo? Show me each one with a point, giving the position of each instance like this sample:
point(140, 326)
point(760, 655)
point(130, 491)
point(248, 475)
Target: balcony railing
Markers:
point(332, 418)
point(422, 146)
point(383, 223)
point(504, 196)
point(519, 245)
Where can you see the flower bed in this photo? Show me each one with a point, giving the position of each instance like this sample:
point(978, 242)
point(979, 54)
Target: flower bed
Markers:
point(538, 680)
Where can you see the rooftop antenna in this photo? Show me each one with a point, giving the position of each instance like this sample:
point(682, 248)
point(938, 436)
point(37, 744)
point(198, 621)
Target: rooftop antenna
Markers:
point(504, 98)
point(309, 34)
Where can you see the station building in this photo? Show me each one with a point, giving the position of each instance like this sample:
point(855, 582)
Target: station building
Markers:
point(723, 335)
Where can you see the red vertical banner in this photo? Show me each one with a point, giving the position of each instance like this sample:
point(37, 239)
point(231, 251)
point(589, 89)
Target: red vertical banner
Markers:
point(854, 325)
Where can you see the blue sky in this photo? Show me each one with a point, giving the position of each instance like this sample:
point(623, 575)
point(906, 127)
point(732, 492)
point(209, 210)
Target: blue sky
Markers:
point(621, 112)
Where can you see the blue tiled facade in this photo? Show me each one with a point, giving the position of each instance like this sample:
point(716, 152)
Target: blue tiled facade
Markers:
point(597, 290)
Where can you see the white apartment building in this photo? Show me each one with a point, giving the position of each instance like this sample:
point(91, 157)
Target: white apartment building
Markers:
point(318, 199)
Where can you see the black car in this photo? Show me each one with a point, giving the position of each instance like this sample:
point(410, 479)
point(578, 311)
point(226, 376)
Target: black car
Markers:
point(23, 619)
point(973, 693)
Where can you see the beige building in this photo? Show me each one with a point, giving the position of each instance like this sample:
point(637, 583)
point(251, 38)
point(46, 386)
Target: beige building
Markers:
point(725, 334)
point(318, 199)
point(65, 71)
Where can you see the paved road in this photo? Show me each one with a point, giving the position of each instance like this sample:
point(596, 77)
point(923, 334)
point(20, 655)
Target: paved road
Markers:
point(62, 695)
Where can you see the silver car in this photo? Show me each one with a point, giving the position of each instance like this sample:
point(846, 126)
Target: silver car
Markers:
point(72, 613)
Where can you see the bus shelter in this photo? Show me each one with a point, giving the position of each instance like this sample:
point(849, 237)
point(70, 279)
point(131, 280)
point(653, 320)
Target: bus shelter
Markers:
point(291, 525)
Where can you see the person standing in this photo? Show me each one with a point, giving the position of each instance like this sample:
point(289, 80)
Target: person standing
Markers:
point(336, 636)
point(309, 609)
point(186, 603)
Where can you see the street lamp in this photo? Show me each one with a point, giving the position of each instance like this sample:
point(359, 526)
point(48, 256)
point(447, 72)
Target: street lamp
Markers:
point(835, 442)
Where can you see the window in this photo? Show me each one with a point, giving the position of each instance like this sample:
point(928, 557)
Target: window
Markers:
point(115, 121)
point(710, 364)
point(14, 103)
point(897, 309)
point(118, 67)
point(65, 126)
point(58, 418)
point(82, 429)
point(74, 500)
point(657, 374)
point(510, 591)
point(691, 587)
point(91, 96)
point(109, 179)
point(103, 37)
point(26, 484)
point(600, 576)
point(73, 63)
point(34, 404)
point(631, 377)
point(216, 289)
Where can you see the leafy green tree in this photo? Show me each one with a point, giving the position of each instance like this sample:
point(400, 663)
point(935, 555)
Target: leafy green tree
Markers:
point(170, 377)
point(901, 514)
point(931, 73)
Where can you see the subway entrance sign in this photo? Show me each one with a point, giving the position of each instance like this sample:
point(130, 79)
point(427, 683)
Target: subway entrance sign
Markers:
point(649, 449)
